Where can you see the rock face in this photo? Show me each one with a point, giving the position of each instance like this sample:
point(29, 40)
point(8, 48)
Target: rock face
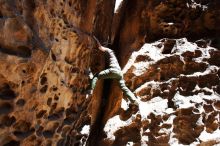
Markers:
point(146, 21)
point(46, 58)
point(178, 94)
point(169, 52)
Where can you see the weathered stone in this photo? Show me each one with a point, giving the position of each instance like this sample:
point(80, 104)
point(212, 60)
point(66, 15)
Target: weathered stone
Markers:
point(215, 58)
point(48, 55)
point(181, 102)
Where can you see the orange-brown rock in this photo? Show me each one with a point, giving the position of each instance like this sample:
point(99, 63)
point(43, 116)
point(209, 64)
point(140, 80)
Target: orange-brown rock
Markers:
point(46, 58)
point(179, 102)
point(168, 52)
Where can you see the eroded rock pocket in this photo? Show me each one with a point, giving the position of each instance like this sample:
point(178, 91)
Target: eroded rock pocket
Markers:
point(6, 93)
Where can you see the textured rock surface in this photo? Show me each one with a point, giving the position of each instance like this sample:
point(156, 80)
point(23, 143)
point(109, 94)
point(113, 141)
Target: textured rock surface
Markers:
point(146, 21)
point(178, 93)
point(47, 57)
point(45, 63)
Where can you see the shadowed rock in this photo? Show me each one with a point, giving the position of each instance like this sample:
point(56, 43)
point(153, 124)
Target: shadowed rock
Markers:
point(6, 93)
point(5, 108)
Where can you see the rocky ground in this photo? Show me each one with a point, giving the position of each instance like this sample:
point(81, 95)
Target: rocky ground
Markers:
point(169, 53)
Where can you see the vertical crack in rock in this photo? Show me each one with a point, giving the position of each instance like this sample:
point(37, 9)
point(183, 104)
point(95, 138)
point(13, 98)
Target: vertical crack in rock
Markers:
point(97, 127)
point(169, 52)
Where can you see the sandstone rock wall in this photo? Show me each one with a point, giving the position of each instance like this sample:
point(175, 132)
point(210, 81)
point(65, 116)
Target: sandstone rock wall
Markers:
point(47, 56)
point(146, 21)
point(169, 52)
point(178, 89)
